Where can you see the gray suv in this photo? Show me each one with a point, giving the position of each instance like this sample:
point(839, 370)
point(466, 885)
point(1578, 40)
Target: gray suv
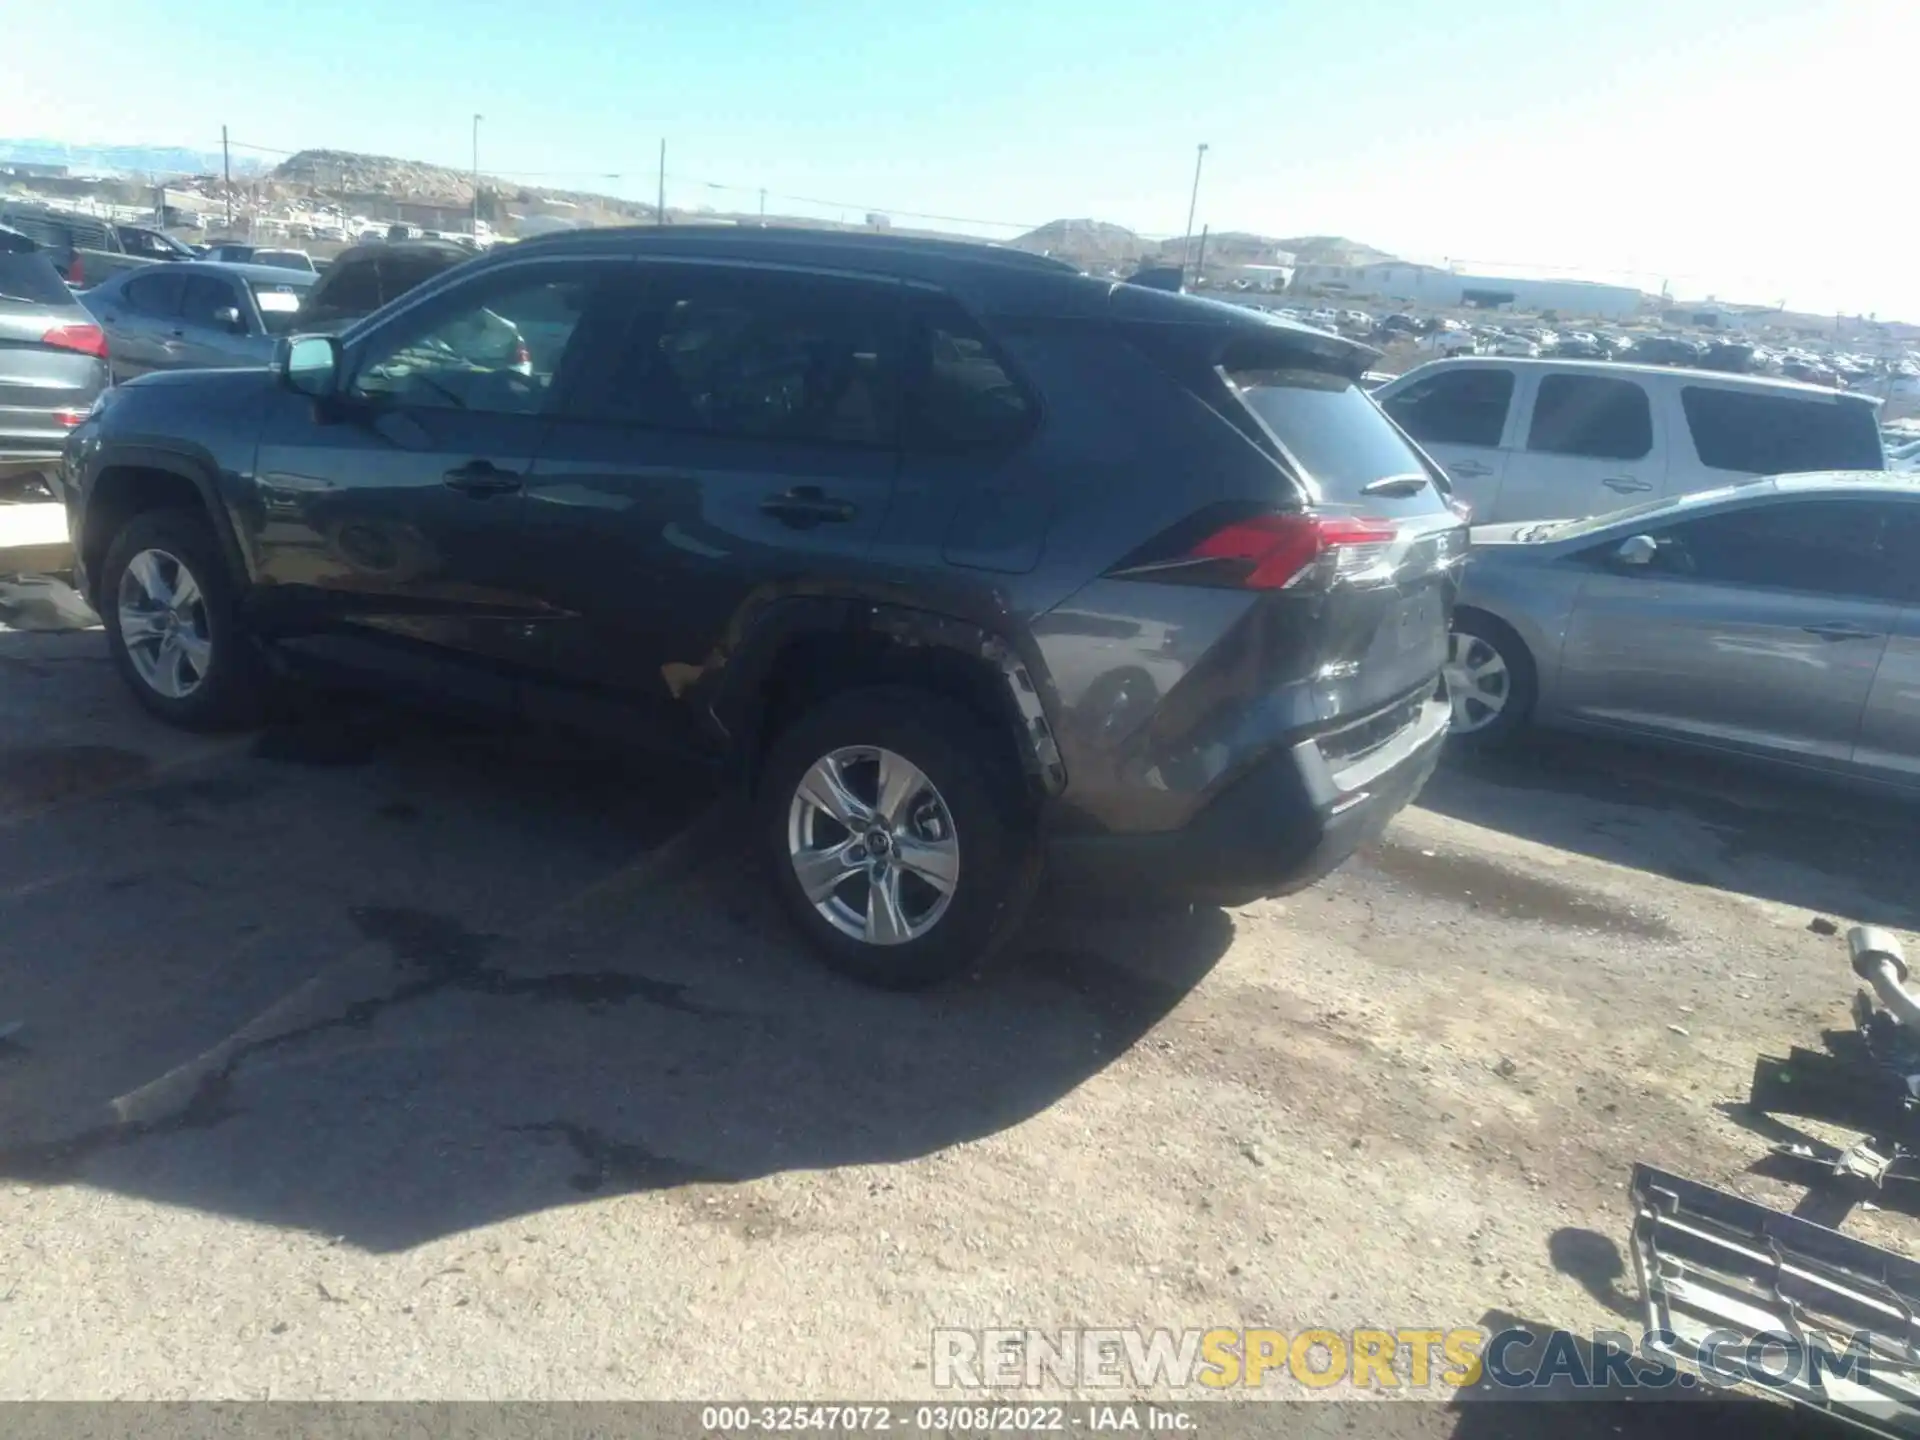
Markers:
point(955, 558)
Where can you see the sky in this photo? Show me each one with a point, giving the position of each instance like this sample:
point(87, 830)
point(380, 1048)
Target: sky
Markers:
point(1754, 150)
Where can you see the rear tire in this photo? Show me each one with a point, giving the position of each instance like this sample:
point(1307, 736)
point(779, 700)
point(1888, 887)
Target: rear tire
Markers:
point(171, 612)
point(922, 859)
point(1490, 679)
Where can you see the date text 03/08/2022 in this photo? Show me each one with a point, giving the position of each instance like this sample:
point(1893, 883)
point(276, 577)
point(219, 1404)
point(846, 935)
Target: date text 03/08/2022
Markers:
point(941, 1419)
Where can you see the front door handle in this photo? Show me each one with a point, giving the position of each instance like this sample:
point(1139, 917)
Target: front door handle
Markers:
point(481, 478)
point(1840, 632)
point(805, 506)
point(1626, 484)
point(1466, 467)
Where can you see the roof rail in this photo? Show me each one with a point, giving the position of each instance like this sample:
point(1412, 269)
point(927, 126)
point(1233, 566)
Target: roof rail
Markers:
point(986, 252)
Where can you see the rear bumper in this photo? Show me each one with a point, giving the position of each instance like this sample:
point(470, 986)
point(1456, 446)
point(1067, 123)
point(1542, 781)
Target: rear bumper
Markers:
point(1287, 823)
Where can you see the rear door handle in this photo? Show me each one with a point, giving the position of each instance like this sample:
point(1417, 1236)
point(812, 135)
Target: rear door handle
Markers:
point(1626, 484)
point(1466, 467)
point(481, 478)
point(805, 506)
point(1840, 632)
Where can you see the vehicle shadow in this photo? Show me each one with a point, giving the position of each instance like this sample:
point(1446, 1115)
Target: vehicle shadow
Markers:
point(1702, 820)
point(386, 980)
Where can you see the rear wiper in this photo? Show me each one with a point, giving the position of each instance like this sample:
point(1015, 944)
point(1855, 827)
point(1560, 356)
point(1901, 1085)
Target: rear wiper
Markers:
point(1395, 485)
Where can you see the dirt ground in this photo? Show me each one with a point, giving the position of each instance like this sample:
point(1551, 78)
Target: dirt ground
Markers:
point(374, 1058)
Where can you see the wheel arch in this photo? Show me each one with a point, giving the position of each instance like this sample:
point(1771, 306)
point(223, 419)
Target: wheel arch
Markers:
point(797, 650)
point(129, 481)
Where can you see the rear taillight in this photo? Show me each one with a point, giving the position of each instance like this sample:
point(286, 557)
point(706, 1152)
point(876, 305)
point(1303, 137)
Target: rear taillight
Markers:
point(76, 272)
point(522, 355)
point(87, 339)
point(69, 418)
point(1295, 552)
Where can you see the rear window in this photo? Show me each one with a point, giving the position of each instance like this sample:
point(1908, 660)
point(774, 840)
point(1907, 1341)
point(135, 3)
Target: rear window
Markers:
point(1762, 434)
point(1332, 430)
point(32, 279)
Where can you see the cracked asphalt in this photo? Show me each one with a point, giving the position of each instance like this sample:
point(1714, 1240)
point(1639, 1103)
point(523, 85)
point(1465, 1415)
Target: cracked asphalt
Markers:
point(374, 1057)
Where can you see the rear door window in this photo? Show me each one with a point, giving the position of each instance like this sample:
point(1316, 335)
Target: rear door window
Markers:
point(157, 295)
point(205, 297)
point(1455, 407)
point(958, 397)
point(1591, 416)
point(758, 356)
point(1331, 430)
point(1777, 434)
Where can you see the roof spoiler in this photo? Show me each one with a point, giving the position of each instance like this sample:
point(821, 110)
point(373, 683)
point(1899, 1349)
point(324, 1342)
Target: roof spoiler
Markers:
point(1159, 277)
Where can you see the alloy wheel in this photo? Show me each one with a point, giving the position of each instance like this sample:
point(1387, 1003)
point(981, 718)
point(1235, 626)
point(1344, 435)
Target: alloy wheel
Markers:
point(163, 624)
point(1477, 682)
point(872, 844)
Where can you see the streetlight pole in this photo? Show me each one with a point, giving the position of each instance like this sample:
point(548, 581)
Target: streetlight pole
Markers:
point(474, 224)
point(1193, 205)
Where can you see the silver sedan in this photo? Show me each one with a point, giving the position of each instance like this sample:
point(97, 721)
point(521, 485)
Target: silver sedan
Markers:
point(1776, 619)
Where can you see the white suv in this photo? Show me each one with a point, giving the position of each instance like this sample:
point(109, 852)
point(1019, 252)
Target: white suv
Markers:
point(1549, 439)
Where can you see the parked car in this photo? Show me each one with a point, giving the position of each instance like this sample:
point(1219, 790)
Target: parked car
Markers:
point(83, 248)
point(1667, 350)
point(404, 232)
point(361, 280)
point(1449, 339)
point(53, 365)
point(1904, 457)
point(1508, 343)
point(196, 315)
point(296, 260)
point(809, 517)
point(1549, 439)
point(1763, 618)
point(153, 244)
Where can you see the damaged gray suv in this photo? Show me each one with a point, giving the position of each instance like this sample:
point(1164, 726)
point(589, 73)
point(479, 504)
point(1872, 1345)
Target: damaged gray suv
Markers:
point(958, 559)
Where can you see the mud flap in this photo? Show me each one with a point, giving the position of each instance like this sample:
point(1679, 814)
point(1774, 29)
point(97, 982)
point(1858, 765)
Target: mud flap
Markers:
point(1745, 1296)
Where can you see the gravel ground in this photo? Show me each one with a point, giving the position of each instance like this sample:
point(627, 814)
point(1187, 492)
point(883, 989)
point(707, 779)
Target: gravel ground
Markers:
point(374, 1058)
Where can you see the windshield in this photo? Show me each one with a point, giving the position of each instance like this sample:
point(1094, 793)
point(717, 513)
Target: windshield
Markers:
point(1657, 510)
point(279, 304)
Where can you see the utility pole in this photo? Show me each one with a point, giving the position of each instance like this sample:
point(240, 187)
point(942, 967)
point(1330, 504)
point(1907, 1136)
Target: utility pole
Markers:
point(763, 203)
point(1192, 205)
point(473, 227)
point(1200, 260)
point(660, 211)
point(226, 175)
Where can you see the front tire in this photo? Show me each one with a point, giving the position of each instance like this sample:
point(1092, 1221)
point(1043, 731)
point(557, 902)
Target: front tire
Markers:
point(895, 831)
point(170, 608)
point(1490, 680)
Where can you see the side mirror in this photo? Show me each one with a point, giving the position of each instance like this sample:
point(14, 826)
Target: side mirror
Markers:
point(227, 317)
point(1637, 550)
point(310, 365)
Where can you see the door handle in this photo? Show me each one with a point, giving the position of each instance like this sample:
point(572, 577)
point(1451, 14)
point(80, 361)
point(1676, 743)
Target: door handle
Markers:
point(1466, 467)
point(1840, 632)
point(805, 506)
point(481, 478)
point(1626, 484)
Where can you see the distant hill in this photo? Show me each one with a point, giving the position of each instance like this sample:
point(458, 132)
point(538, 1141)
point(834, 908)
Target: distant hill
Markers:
point(129, 160)
point(347, 171)
point(1098, 245)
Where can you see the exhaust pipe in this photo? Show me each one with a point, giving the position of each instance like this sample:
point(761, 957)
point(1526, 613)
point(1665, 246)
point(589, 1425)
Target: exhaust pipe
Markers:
point(1878, 960)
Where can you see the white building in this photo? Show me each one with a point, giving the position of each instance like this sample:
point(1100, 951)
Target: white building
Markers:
point(1409, 283)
